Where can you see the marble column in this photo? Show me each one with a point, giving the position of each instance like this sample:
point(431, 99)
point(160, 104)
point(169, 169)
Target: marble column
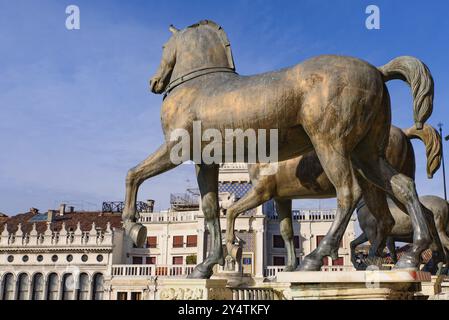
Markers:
point(259, 254)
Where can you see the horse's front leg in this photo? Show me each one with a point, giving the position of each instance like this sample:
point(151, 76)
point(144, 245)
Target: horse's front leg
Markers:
point(362, 238)
point(284, 209)
point(256, 196)
point(207, 176)
point(154, 165)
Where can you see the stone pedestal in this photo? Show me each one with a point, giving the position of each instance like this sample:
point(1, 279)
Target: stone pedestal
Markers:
point(352, 285)
point(440, 288)
point(193, 289)
point(234, 279)
point(429, 289)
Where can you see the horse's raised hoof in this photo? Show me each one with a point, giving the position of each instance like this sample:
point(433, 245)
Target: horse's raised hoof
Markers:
point(311, 264)
point(407, 262)
point(137, 232)
point(200, 272)
point(234, 251)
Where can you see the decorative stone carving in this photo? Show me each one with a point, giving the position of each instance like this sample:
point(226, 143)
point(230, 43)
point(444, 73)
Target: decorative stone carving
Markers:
point(181, 294)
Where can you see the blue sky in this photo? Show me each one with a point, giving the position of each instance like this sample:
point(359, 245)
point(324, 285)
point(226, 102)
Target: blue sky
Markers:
point(76, 112)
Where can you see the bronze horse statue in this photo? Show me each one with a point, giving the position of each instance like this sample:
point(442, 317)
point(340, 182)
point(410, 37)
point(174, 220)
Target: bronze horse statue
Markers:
point(336, 105)
point(304, 178)
point(403, 230)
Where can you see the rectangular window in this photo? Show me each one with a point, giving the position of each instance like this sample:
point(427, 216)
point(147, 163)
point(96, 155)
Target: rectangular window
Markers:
point(122, 295)
point(191, 241)
point(296, 241)
point(338, 262)
point(247, 261)
point(136, 295)
point(318, 240)
point(178, 241)
point(151, 242)
point(178, 260)
point(191, 259)
point(151, 260)
point(278, 261)
point(278, 242)
point(137, 260)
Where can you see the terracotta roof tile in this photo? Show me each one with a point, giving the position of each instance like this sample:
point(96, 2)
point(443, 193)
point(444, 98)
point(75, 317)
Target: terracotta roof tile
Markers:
point(85, 218)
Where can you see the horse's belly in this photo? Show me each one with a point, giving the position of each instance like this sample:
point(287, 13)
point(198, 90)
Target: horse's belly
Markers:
point(403, 224)
point(303, 177)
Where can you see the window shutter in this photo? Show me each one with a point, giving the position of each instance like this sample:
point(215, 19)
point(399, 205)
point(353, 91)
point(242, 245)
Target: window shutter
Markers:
point(178, 241)
point(192, 241)
point(151, 242)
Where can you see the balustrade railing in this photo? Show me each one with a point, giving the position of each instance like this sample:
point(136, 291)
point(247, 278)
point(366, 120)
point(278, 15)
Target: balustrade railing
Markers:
point(272, 271)
point(132, 270)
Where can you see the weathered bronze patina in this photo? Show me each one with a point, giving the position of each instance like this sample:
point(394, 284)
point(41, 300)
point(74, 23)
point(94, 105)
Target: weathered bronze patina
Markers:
point(403, 228)
point(339, 106)
point(304, 178)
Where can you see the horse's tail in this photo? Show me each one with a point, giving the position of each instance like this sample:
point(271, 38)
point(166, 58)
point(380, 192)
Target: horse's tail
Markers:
point(432, 140)
point(417, 75)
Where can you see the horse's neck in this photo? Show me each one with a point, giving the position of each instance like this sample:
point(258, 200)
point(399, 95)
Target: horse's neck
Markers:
point(190, 62)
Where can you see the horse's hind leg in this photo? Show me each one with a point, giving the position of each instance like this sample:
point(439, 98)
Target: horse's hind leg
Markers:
point(207, 176)
point(401, 187)
point(154, 165)
point(284, 210)
point(338, 168)
point(391, 245)
point(376, 202)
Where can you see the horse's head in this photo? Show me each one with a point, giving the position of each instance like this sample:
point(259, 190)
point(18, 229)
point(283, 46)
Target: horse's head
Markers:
point(160, 80)
point(202, 45)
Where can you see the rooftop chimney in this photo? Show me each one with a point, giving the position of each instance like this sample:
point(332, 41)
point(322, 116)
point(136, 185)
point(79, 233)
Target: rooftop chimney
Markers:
point(50, 215)
point(62, 209)
point(71, 209)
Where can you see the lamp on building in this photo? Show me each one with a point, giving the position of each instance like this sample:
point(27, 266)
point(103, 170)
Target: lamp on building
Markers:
point(440, 126)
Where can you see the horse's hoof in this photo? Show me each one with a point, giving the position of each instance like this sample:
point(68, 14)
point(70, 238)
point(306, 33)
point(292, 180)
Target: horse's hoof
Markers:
point(137, 232)
point(311, 264)
point(200, 273)
point(407, 261)
point(234, 251)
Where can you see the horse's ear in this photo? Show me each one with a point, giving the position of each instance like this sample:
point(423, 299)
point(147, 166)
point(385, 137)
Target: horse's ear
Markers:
point(173, 29)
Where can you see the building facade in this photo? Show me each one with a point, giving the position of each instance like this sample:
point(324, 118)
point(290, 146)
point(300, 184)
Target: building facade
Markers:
point(73, 255)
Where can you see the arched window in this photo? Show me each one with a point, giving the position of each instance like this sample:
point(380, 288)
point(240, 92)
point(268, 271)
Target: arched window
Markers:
point(38, 286)
point(68, 285)
point(83, 293)
point(98, 287)
point(53, 287)
point(8, 287)
point(24, 287)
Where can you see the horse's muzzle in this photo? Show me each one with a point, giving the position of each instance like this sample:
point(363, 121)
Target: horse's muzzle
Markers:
point(153, 83)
